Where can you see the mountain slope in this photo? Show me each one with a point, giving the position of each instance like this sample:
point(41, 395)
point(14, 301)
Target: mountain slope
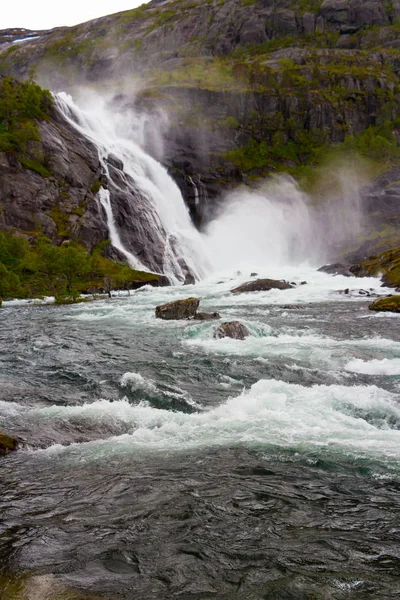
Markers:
point(250, 87)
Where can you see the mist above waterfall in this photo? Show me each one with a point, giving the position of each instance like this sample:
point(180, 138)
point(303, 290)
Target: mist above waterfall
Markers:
point(277, 224)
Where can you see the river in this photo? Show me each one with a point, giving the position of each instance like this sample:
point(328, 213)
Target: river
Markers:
point(162, 463)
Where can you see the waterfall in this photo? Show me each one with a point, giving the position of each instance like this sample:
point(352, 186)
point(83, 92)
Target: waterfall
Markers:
point(147, 218)
point(196, 192)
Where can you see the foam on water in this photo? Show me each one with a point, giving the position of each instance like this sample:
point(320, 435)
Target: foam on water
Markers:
point(385, 366)
point(136, 381)
point(307, 346)
point(360, 421)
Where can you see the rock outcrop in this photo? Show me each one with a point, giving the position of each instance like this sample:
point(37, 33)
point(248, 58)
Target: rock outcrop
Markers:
point(232, 329)
point(386, 265)
point(179, 309)
point(262, 285)
point(387, 304)
point(336, 269)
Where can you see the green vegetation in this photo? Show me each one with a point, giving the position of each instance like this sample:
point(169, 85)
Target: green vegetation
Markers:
point(293, 149)
point(95, 187)
point(21, 104)
point(162, 19)
point(136, 14)
point(66, 271)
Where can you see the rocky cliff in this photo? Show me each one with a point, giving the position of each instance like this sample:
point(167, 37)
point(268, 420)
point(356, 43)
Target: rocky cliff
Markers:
point(251, 87)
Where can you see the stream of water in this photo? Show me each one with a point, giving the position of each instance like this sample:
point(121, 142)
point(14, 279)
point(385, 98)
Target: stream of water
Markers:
point(163, 463)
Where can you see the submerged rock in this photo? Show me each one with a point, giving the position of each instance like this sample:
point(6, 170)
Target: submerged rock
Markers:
point(7, 444)
point(200, 316)
point(179, 309)
point(336, 269)
point(262, 285)
point(232, 329)
point(387, 304)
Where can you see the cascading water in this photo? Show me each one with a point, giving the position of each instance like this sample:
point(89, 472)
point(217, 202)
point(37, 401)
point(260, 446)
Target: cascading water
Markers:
point(160, 235)
point(271, 226)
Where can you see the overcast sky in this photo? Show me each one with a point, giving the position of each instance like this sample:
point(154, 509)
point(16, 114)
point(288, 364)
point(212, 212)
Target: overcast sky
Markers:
point(45, 14)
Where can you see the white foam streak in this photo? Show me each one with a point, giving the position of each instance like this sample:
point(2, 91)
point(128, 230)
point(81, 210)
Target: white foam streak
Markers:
point(385, 366)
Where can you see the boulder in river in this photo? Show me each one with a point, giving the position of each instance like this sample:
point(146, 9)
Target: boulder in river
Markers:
point(179, 309)
point(7, 444)
point(336, 269)
point(232, 329)
point(200, 316)
point(387, 304)
point(262, 285)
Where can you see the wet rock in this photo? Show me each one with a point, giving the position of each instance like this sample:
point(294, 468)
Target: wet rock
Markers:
point(232, 329)
point(200, 316)
point(179, 309)
point(189, 279)
point(262, 285)
point(387, 304)
point(336, 269)
point(386, 265)
point(7, 444)
point(115, 162)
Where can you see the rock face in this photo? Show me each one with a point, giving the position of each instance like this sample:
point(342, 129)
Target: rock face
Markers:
point(60, 204)
point(232, 329)
point(299, 75)
point(262, 285)
point(386, 265)
point(7, 444)
point(388, 304)
point(179, 309)
point(308, 73)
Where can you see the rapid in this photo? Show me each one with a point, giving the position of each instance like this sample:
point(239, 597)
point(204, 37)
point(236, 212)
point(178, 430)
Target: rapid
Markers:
point(160, 462)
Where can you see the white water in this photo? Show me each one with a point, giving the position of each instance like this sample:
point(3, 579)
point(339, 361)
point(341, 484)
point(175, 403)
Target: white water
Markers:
point(164, 214)
point(385, 366)
point(360, 421)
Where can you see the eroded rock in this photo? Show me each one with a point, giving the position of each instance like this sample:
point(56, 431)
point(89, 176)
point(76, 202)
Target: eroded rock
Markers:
point(232, 329)
point(262, 285)
point(179, 309)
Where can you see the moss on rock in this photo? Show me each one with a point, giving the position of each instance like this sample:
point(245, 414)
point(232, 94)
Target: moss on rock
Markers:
point(388, 304)
point(386, 265)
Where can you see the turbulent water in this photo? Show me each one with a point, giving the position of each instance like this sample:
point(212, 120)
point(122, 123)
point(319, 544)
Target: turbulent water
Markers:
point(162, 463)
point(159, 462)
